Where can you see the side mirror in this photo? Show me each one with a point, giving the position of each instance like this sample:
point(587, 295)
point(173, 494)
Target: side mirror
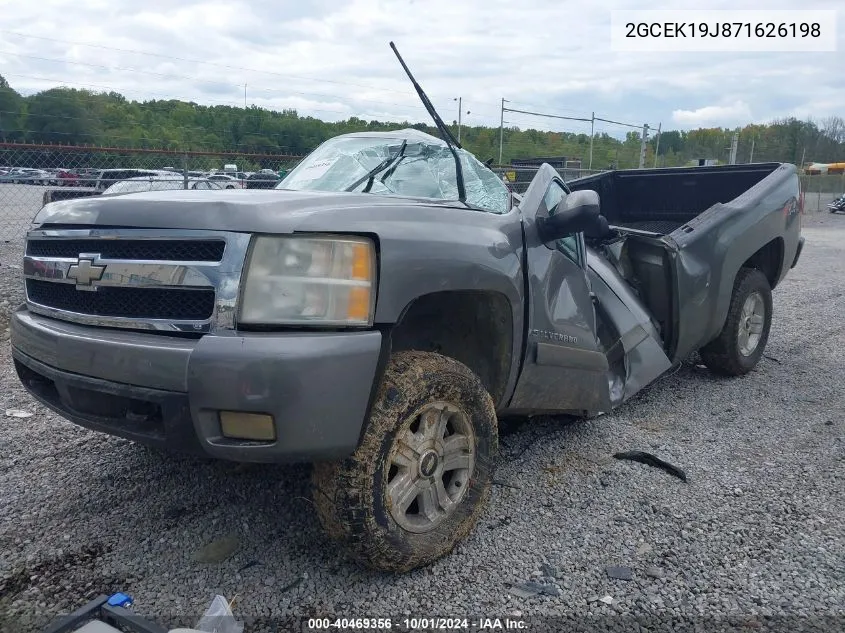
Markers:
point(578, 212)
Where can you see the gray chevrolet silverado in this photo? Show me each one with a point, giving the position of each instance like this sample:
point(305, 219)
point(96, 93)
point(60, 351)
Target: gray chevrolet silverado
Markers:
point(380, 309)
point(380, 334)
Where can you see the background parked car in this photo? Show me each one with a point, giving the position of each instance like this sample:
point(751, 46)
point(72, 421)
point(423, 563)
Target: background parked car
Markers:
point(158, 182)
point(53, 179)
point(7, 175)
point(86, 176)
point(68, 178)
point(226, 181)
point(107, 177)
point(262, 180)
point(28, 176)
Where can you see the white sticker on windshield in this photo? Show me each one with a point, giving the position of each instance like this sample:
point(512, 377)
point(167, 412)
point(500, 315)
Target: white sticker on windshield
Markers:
point(315, 170)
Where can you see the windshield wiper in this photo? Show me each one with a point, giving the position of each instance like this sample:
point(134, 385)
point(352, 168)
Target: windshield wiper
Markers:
point(445, 133)
point(391, 170)
point(371, 175)
point(390, 167)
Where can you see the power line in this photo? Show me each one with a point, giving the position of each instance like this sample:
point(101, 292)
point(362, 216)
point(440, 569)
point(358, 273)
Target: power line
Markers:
point(570, 118)
point(636, 127)
point(548, 116)
point(534, 106)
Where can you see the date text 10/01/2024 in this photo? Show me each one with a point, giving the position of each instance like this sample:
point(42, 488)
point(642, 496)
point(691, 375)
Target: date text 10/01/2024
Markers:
point(417, 624)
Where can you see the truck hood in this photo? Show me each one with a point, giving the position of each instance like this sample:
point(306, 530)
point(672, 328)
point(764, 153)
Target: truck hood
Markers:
point(253, 211)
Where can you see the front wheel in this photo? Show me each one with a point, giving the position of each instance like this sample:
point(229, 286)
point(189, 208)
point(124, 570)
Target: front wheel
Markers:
point(422, 473)
point(740, 344)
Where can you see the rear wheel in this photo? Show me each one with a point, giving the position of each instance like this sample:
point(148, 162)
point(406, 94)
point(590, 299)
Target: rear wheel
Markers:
point(742, 341)
point(421, 476)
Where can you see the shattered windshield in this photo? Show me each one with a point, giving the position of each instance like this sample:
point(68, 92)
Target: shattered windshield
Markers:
point(410, 163)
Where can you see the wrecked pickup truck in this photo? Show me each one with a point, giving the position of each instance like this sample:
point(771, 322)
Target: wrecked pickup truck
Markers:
point(380, 309)
point(382, 333)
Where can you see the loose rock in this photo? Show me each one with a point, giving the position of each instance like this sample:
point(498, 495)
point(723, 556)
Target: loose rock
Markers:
point(218, 550)
point(620, 573)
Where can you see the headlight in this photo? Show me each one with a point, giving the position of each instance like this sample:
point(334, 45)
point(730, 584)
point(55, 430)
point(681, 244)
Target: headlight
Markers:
point(310, 281)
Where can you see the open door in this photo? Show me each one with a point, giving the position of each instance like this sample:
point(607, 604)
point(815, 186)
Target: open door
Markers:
point(628, 334)
point(565, 370)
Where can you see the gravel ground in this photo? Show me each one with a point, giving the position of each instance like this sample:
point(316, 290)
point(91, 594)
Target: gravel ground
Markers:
point(756, 531)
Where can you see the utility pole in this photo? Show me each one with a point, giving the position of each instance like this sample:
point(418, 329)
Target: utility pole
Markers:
point(751, 158)
point(592, 133)
point(803, 155)
point(244, 96)
point(657, 142)
point(458, 99)
point(734, 147)
point(643, 145)
point(459, 119)
point(502, 131)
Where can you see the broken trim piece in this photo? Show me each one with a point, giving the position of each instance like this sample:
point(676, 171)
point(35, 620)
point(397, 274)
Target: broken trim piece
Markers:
point(650, 460)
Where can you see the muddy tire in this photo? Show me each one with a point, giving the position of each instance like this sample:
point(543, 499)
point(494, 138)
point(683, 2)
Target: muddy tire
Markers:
point(421, 476)
point(742, 341)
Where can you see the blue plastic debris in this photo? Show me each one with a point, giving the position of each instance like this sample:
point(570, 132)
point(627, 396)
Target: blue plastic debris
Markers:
point(120, 600)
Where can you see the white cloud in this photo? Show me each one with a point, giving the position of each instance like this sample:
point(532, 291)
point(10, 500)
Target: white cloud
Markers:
point(331, 60)
point(736, 113)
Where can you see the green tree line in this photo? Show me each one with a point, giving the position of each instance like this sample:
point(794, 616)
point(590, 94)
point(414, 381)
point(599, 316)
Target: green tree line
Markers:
point(69, 116)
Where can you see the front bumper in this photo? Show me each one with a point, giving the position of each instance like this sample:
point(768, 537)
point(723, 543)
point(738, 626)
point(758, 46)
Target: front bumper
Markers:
point(168, 391)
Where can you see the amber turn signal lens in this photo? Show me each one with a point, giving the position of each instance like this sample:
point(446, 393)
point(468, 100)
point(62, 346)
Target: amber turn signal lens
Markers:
point(361, 260)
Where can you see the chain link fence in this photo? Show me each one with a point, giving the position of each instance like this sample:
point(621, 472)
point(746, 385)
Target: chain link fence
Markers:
point(32, 175)
point(518, 178)
point(820, 190)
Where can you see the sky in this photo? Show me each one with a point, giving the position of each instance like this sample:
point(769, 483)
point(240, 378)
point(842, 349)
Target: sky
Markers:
point(331, 60)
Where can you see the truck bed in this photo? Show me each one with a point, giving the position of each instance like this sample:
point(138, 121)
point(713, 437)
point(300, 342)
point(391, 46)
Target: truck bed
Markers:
point(680, 236)
point(659, 227)
point(661, 201)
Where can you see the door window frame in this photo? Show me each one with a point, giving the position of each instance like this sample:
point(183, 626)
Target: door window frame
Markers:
point(580, 247)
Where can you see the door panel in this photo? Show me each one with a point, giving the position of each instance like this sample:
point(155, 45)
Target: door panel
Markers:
point(564, 370)
point(637, 341)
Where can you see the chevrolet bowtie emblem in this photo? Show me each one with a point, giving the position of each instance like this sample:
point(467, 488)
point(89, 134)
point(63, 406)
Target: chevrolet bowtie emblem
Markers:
point(84, 272)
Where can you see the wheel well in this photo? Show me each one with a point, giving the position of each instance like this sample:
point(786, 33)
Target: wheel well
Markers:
point(768, 260)
point(473, 327)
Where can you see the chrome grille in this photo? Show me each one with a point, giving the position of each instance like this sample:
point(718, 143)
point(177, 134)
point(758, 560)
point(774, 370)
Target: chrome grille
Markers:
point(167, 280)
point(141, 303)
point(149, 250)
